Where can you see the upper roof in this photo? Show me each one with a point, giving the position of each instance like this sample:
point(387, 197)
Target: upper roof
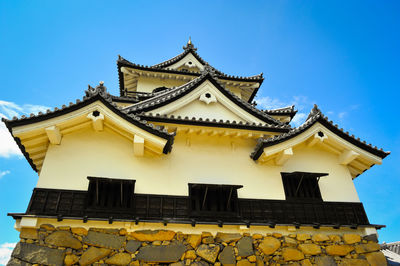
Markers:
point(99, 93)
point(169, 95)
point(165, 67)
point(314, 117)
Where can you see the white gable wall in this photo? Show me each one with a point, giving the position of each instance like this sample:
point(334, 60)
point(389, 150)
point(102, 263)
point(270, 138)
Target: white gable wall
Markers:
point(194, 159)
point(185, 61)
point(189, 105)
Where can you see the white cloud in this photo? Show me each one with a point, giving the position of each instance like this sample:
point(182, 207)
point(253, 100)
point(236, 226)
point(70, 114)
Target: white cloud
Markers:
point(3, 173)
point(299, 119)
point(5, 252)
point(342, 114)
point(302, 104)
point(8, 110)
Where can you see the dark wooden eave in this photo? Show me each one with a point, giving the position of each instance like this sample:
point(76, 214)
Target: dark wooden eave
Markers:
point(286, 111)
point(212, 123)
point(170, 95)
point(92, 95)
point(316, 116)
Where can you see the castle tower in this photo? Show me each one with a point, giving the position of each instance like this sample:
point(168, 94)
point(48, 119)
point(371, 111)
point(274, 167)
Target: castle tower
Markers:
point(182, 168)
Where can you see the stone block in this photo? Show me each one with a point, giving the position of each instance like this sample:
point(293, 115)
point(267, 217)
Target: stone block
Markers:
point(227, 237)
point(325, 261)
point(190, 254)
point(194, 240)
point(339, 250)
point(244, 263)
point(371, 237)
point(303, 237)
point(208, 240)
point(132, 246)
point(310, 249)
point(320, 238)
point(119, 259)
point(353, 262)
point(292, 254)
point(369, 247)
point(290, 242)
point(70, 259)
point(104, 240)
point(376, 259)
point(79, 231)
point(269, 245)
point(38, 254)
point(153, 235)
point(208, 253)
point(335, 238)
point(351, 238)
point(162, 254)
point(245, 246)
point(29, 233)
point(306, 262)
point(227, 256)
point(47, 227)
point(63, 239)
point(92, 254)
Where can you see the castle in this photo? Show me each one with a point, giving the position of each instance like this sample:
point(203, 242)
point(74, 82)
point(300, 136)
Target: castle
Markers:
point(181, 168)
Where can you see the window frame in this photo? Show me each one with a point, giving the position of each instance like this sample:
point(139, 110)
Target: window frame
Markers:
point(307, 194)
point(125, 203)
point(214, 213)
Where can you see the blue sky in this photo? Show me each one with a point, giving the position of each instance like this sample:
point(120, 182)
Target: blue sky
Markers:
point(342, 55)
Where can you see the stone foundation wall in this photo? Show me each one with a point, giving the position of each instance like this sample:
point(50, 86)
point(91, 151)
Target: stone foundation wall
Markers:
point(78, 246)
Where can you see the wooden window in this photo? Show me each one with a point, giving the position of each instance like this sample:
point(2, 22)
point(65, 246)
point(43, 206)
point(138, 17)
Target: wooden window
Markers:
point(213, 199)
point(107, 193)
point(302, 186)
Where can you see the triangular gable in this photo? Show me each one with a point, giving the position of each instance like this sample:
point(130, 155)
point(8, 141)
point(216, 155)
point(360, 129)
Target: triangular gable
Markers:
point(34, 134)
point(318, 130)
point(186, 65)
point(204, 92)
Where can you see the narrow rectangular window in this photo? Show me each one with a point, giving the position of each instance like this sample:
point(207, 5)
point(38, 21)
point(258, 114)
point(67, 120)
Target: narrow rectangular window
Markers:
point(302, 186)
point(210, 199)
point(107, 193)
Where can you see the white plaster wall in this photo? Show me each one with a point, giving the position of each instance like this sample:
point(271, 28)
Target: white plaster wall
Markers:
point(211, 111)
point(205, 160)
point(149, 84)
point(337, 186)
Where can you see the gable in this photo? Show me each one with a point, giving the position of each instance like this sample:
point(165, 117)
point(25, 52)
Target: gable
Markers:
point(207, 102)
point(188, 62)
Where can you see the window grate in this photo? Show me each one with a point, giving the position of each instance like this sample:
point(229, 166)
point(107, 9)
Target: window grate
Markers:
point(302, 186)
point(107, 193)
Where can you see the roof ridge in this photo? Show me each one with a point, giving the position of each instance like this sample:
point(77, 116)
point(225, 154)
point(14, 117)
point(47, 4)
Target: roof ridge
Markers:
point(101, 91)
point(214, 120)
point(207, 72)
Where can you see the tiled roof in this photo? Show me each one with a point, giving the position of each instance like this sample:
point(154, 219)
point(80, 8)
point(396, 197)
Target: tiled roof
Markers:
point(314, 117)
point(213, 122)
point(285, 111)
point(92, 95)
point(163, 67)
point(172, 94)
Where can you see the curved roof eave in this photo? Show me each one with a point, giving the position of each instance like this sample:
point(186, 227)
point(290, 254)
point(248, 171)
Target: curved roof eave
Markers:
point(92, 95)
point(314, 117)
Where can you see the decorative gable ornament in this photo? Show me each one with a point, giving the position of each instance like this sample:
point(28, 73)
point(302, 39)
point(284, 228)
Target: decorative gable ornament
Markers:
point(208, 98)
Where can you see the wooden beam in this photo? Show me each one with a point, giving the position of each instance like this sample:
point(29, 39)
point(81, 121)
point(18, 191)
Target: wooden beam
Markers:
point(347, 157)
point(284, 156)
point(98, 120)
point(138, 145)
point(54, 135)
point(316, 138)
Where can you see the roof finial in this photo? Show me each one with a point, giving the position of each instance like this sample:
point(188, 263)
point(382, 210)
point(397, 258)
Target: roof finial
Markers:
point(189, 46)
